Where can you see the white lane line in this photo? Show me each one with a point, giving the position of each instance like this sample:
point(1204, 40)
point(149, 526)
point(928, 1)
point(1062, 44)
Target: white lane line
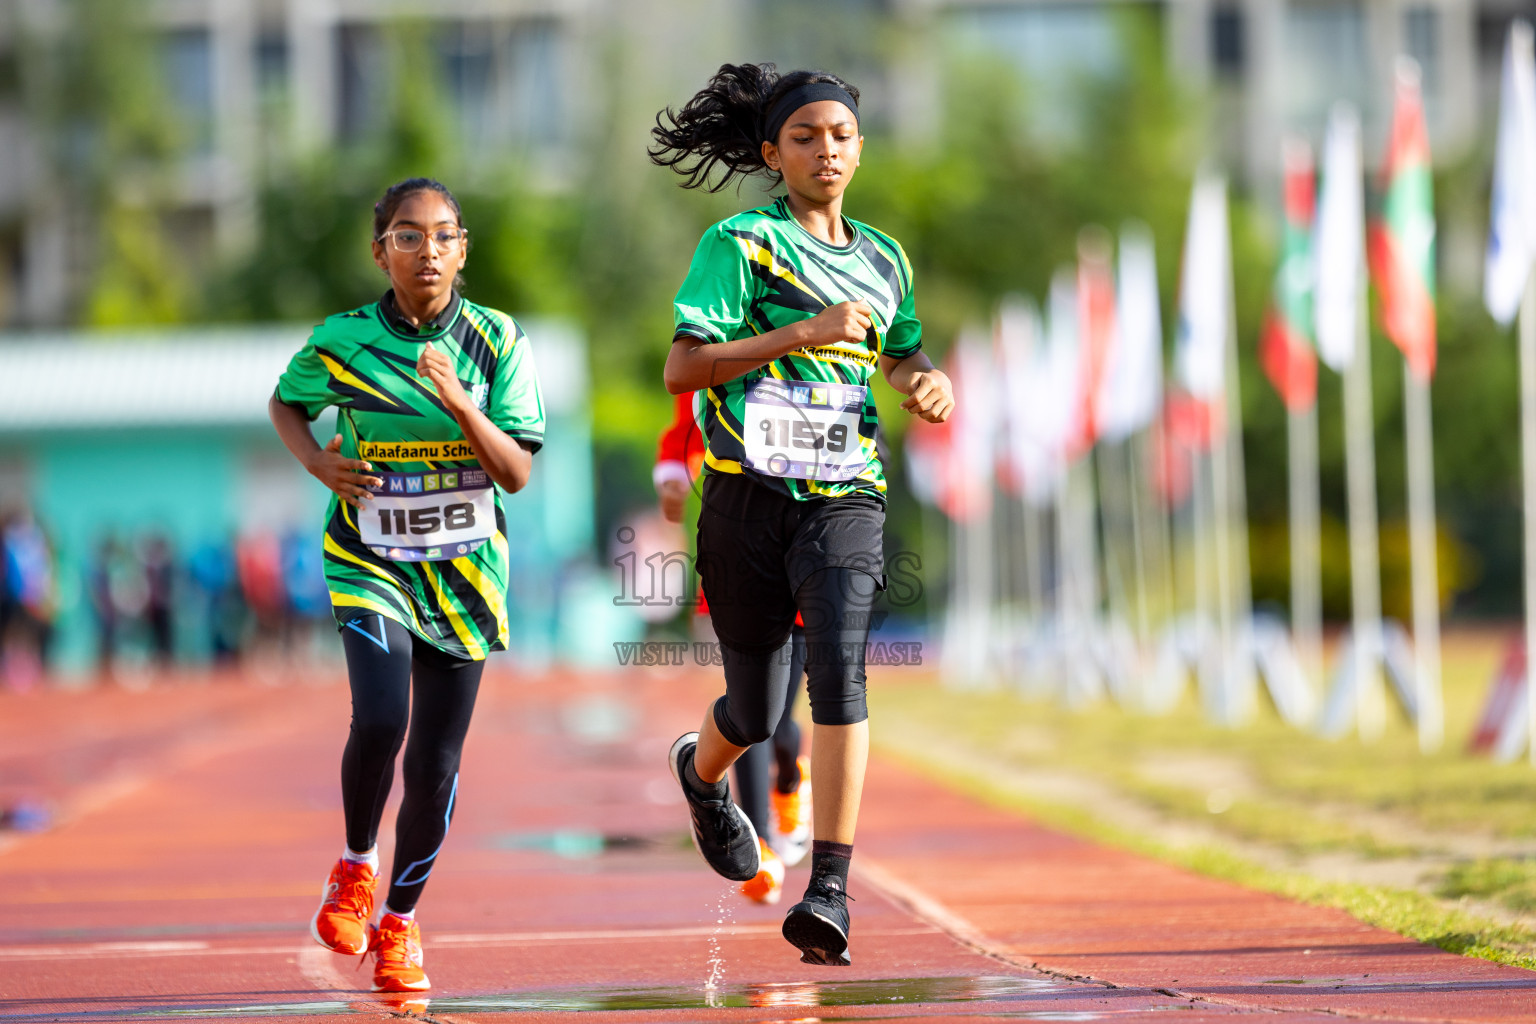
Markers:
point(930, 911)
point(310, 951)
point(318, 965)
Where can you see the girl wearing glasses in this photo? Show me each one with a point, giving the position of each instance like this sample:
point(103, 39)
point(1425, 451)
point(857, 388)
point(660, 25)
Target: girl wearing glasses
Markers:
point(438, 413)
point(785, 315)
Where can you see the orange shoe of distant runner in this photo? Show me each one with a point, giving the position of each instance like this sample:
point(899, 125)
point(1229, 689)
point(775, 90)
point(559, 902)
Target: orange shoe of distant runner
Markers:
point(792, 818)
point(396, 947)
point(768, 884)
point(345, 907)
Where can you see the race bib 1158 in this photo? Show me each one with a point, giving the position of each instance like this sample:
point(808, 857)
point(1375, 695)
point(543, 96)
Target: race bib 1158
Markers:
point(429, 517)
point(804, 430)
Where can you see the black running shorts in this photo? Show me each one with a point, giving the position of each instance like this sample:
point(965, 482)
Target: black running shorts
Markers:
point(756, 546)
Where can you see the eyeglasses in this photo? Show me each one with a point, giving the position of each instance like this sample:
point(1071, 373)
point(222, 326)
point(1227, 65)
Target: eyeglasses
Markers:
point(412, 239)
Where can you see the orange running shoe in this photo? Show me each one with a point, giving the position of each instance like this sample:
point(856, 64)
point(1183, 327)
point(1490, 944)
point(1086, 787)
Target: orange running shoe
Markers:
point(396, 947)
point(768, 884)
point(792, 818)
point(345, 907)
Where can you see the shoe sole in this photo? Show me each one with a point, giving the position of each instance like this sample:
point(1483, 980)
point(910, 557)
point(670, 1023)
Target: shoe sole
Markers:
point(677, 748)
point(821, 941)
point(395, 986)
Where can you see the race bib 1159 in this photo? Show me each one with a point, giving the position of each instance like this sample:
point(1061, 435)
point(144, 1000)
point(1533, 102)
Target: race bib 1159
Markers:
point(429, 517)
point(804, 430)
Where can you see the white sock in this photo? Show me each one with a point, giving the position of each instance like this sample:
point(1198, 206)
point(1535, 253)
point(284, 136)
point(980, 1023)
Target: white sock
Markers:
point(409, 915)
point(371, 857)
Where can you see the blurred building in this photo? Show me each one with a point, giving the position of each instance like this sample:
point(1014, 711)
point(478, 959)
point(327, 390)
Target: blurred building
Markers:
point(256, 83)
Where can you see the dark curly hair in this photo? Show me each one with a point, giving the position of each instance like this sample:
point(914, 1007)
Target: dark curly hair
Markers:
point(722, 126)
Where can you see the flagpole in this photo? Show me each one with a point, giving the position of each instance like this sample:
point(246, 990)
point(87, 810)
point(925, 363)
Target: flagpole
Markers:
point(1528, 458)
point(1306, 584)
point(1364, 544)
point(1134, 481)
point(1421, 529)
point(1199, 528)
point(1241, 666)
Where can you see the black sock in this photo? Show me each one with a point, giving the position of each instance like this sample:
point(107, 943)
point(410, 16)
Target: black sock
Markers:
point(829, 864)
point(701, 789)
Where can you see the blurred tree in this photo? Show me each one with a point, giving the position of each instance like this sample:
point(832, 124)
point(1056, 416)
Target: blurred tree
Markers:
point(110, 145)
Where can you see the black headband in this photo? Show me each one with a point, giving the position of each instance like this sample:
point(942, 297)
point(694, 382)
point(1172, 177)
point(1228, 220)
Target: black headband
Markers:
point(798, 97)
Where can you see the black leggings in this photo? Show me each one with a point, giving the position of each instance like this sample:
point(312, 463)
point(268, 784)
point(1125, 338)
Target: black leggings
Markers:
point(781, 749)
point(835, 603)
point(383, 659)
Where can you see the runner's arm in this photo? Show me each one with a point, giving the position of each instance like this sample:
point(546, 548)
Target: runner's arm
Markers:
point(694, 363)
point(507, 460)
point(928, 391)
point(343, 475)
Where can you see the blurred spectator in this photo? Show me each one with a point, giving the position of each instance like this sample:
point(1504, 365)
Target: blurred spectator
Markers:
point(307, 597)
point(159, 574)
point(211, 569)
point(259, 563)
point(27, 598)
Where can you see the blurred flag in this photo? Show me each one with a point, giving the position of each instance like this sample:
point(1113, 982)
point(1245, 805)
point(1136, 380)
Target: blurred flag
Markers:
point(950, 463)
point(1024, 463)
point(1402, 241)
point(1061, 419)
point(1205, 300)
point(1285, 347)
point(1131, 389)
point(1095, 325)
point(971, 460)
point(1339, 240)
point(1512, 227)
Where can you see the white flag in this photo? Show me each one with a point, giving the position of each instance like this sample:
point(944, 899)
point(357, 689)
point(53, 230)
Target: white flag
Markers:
point(1339, 242)
point(1131, 389)
point(1512, 220)
point(1205, 300)
point(1061, 411)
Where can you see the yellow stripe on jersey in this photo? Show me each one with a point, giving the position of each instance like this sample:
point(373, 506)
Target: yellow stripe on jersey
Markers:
point(346, 376)
point(474, 321)
point(493, 599)
point(723, 465)
point(346, 600)
point(720, 417)
point(466, 637)
point(332, 548)
point(765, 258)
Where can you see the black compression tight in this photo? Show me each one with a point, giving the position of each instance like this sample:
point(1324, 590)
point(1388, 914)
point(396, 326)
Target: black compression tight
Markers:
point(383, 661)
point(782, 748)
point(835, 603)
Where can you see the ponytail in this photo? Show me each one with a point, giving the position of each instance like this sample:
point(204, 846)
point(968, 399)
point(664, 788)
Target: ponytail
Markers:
point(726, 123)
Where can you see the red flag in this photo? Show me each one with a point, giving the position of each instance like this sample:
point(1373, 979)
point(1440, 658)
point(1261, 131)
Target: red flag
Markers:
point(1285, 347)
point(1095, 325)
point(1402, 239)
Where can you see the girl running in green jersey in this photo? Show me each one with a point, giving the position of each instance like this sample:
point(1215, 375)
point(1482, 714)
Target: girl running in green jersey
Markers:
point(785, 314)
point(438, 413)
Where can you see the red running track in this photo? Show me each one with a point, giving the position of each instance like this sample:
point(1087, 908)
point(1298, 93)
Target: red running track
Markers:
point(196, 824)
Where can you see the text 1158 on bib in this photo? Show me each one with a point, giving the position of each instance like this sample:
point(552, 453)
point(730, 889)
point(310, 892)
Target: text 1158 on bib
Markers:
point(429, 517)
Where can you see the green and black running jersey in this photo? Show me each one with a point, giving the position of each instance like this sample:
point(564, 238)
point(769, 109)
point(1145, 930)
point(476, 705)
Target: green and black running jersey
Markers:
point(430, 551)
point(758, 271)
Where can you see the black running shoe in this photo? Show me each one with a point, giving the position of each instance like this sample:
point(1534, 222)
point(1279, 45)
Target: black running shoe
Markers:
point(818, 925)
point(722, 834)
